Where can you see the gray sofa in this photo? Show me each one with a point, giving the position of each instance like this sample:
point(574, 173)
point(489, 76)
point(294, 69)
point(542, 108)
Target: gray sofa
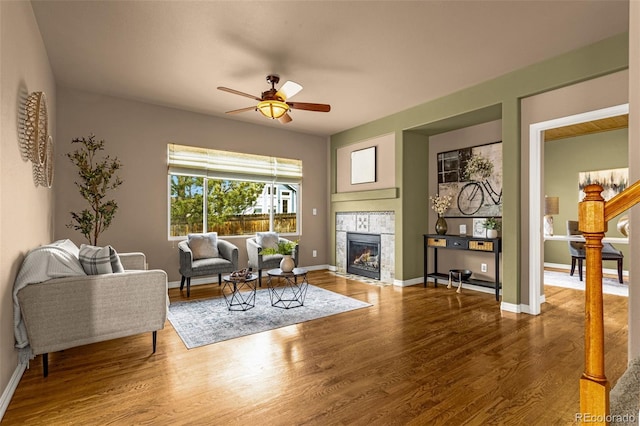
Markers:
point(72, 311)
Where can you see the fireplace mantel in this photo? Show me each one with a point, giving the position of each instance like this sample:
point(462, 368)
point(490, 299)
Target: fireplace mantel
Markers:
point(374, 194)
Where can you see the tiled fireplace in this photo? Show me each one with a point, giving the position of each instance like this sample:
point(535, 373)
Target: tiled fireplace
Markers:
point(369, 226)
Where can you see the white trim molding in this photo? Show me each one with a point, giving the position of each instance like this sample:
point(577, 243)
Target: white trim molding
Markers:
point(8, 392)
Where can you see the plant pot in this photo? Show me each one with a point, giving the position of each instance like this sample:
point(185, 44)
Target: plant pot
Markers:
point(287, 263)
point(492, 233)
point(441, 226)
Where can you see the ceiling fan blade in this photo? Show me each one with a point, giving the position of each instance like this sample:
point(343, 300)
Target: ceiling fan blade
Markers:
point(309, 106)
point(236, 92)
point(286, 119)
point(236, 111)
point(289, 89)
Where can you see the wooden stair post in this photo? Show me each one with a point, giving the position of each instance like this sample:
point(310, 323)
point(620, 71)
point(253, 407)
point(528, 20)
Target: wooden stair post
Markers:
point(594, 386)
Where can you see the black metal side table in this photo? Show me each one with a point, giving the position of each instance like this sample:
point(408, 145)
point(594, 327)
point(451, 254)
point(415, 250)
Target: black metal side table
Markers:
point(239, 293)
point(287, 289)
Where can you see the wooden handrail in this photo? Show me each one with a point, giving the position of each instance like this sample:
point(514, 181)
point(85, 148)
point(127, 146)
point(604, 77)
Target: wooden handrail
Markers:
point(593, 216)
point(622, 201)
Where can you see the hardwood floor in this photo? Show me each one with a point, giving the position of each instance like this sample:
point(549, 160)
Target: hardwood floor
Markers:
point(417, 356)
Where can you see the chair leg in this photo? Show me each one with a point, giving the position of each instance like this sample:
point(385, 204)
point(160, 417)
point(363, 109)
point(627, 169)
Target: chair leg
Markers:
point(182, 283)
point(188, 286)
point(45, 365)
point(573, 265)
point(155, 340)
point(580, 268)
point(620, 271)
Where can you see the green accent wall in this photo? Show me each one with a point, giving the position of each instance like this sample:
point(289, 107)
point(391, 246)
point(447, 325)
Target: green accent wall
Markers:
point(563, 160)
point(493, 99)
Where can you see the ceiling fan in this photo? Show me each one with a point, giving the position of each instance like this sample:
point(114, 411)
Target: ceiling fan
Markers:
point(273, 103)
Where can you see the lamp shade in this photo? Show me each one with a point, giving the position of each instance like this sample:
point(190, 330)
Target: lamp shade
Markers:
point(551, 205)
point(273, 108)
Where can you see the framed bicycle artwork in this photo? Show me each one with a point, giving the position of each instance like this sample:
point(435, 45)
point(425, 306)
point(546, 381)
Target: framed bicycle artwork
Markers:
point(473, 177)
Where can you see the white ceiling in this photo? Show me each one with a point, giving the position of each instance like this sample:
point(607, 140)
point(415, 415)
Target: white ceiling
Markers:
point(368, 59)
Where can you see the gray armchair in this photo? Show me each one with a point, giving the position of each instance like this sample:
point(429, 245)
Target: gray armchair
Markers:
point(258, 261)
point(190, 267)
point(577, 251)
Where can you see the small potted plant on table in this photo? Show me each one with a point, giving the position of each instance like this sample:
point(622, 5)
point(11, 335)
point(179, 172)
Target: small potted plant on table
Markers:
point(285, 248)
point(492, 225)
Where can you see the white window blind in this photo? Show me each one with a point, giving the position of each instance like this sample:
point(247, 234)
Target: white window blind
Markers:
point(217, 164)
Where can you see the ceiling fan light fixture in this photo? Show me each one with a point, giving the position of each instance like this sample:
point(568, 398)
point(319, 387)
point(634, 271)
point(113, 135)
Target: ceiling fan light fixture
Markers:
point(272, 108)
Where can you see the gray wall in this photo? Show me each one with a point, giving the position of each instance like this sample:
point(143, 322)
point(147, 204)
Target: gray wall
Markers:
point(26, 211)
point(138, 134)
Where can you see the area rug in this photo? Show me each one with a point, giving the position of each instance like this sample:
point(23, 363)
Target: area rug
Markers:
point(563, 279)
point(206, 321)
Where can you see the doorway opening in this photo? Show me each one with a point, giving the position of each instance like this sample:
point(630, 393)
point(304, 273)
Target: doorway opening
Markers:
point(536, 193)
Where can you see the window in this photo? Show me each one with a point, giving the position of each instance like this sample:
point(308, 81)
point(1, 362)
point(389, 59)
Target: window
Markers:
point(231, 193)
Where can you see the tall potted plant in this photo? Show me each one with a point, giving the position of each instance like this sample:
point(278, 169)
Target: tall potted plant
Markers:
point(97, 176)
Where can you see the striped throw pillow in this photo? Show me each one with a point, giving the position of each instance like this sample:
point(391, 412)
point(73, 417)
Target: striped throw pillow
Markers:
point(99, 260)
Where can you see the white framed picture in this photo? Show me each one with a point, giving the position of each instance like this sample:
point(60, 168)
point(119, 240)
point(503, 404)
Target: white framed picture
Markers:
point(479, 231)
point(363, 165)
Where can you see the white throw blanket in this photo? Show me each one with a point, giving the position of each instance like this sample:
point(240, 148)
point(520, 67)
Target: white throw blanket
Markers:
point(56, 260)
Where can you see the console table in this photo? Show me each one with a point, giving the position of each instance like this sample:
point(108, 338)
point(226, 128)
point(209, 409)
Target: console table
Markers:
point(459, 242)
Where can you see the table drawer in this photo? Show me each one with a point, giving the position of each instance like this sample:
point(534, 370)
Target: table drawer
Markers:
point(481, 245)
point(457, 243)
point(437, 242)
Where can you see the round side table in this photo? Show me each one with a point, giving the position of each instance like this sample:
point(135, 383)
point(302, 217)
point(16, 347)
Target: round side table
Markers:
point(239, 293)
point(287, 289)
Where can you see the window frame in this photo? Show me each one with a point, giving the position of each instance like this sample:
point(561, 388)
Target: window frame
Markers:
point(271, 183)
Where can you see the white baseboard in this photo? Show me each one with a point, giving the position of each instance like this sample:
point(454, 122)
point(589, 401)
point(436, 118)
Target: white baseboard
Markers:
point(316, 267)
point(512, 307)
point(407, 283)
point(5, 399)
point(213, 279)
point(479, 288)
point(518, 309)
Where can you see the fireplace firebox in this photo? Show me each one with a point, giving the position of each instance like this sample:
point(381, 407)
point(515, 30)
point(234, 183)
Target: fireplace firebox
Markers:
point(363, 254)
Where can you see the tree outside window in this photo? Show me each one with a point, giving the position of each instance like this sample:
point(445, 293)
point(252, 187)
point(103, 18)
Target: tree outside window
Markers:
point(233, 207)
point(231, 193)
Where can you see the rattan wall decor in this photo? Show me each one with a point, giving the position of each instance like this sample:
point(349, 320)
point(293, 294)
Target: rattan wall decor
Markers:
point(36, 144)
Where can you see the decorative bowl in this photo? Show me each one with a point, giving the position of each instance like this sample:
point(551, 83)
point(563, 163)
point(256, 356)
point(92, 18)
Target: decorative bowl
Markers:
point(241, 275)
point(460, 274)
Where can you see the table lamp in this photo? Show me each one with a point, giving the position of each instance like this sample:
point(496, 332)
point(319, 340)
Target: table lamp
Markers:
point(551, 207)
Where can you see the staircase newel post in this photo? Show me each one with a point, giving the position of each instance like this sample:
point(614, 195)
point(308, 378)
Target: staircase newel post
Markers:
point(594, 386)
